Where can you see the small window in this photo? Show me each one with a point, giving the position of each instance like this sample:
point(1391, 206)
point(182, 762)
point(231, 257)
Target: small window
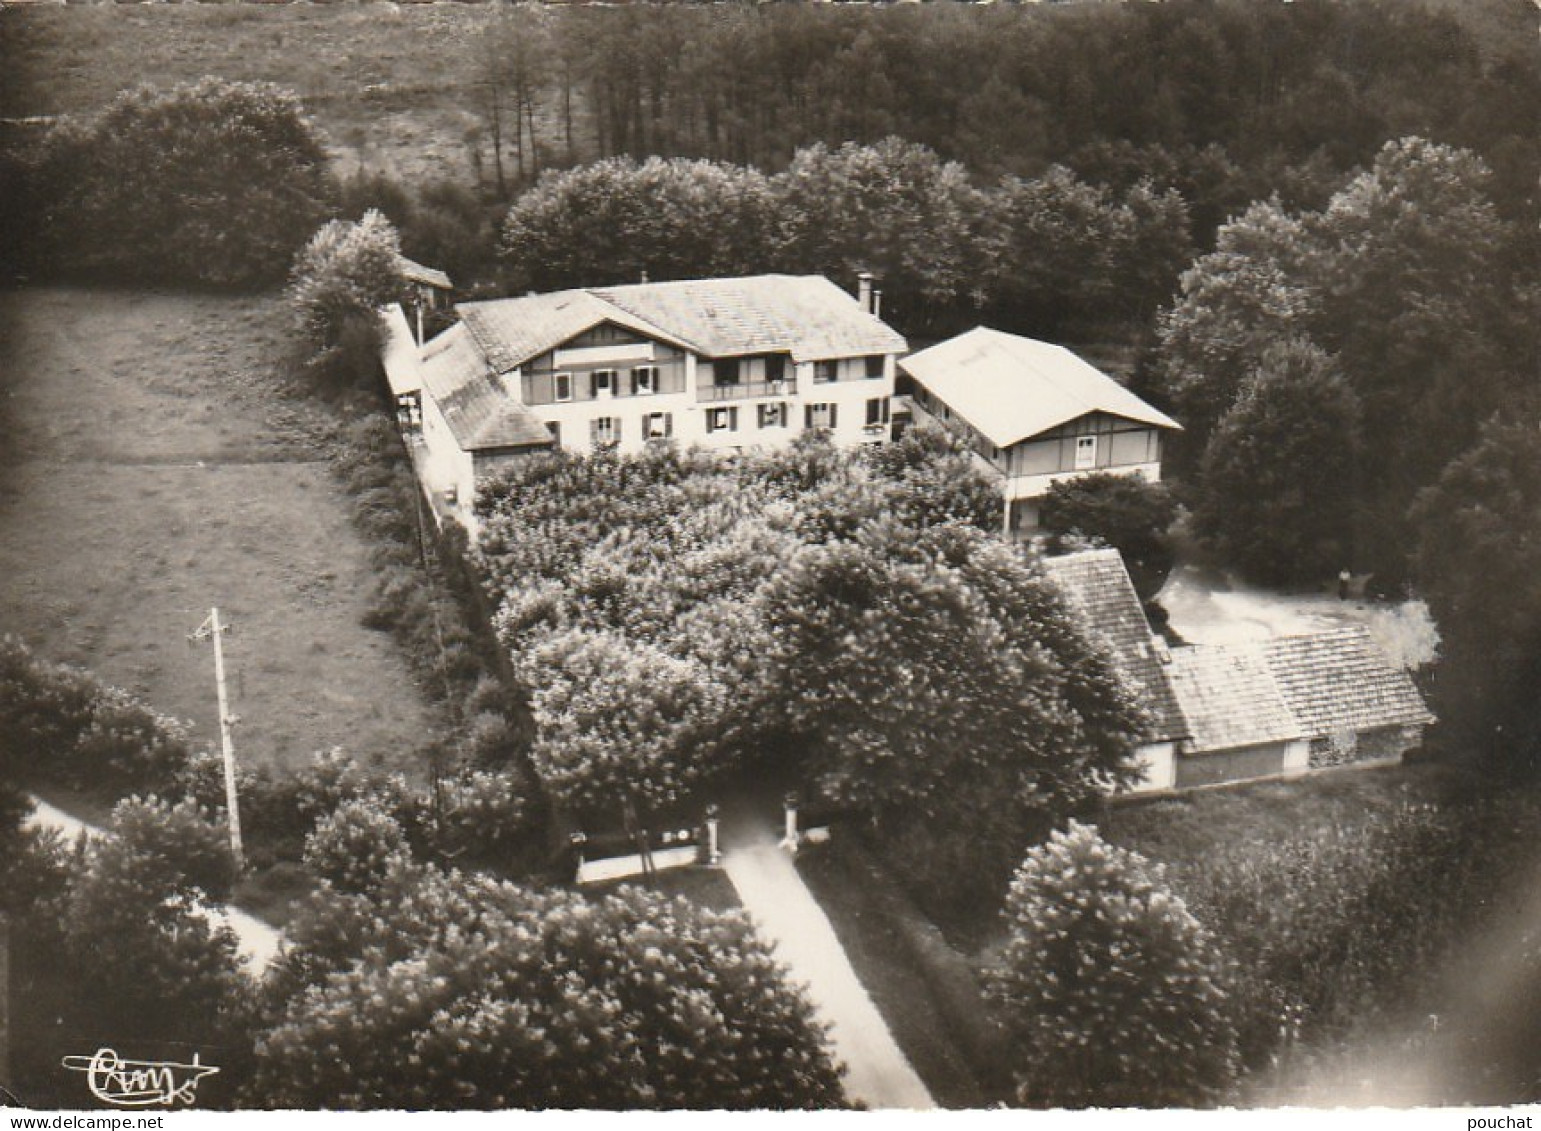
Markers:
point(644, 380)
point(874, 365)
point(877, 412)
point(819, 416)
point(725, 371)
point(1085, 452)
point(409, 411)
point(658, 425)
point(604, 381)
point(606, 431)
point(775, 367)
point(564, 386)
point(722, 419)
point(773, 415)
point(825, 372)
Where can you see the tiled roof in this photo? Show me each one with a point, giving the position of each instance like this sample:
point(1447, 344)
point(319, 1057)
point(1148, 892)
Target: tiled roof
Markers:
point(1097, 588)
point(1339, 680)
point(399, 352)
point(1230, 698)
point(511, 331)
point(1011, 388)
point(475, 406)
point(806, 316)
point(415, 272)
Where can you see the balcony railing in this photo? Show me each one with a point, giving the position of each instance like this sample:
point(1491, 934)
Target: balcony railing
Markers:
point(747, 389)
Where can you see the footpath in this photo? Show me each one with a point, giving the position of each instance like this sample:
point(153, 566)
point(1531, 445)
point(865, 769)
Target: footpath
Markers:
point(877, 1074)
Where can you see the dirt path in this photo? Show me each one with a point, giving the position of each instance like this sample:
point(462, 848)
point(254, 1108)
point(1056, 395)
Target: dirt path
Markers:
point(155, 463)
point(878, 1075)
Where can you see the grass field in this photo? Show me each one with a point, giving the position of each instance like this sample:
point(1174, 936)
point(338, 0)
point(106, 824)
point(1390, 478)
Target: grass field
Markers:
point(156, 463)
point(392, 87)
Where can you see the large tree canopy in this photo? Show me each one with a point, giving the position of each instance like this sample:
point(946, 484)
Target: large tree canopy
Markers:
point(1410, 281)
point(215, 182)
point(444, 991)
point(1479, 563)
point(1279, 477)
point(836, 616)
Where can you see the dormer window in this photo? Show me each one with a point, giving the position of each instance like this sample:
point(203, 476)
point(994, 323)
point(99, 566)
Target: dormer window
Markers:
point(725, 371)
point(874, 366)
point(644, 380)
point(604, 381)
point(564, 386)
point(825, 371)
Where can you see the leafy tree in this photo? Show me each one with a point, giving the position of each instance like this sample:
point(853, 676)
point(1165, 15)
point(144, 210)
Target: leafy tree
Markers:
point(1478, 565)
point(936, 686)
point(214, 182)
point(1280, 472)
point(115, 943)
point(1236, 301)
point(616, 221)
point(1416, 273)
point(893, 208)
point(1109, 989)
point(341, 278)
point(1410, 279)
point(448, 991)
point(933, 478)
point(1063, 253)
point(1127, 512)
point(618, 718)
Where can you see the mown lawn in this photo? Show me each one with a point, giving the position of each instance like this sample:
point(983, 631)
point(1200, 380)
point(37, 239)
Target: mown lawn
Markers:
point(158, 462)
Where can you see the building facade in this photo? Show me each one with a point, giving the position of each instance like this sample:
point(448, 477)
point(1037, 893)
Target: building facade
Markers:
point(720, 364)
point(1034, 414)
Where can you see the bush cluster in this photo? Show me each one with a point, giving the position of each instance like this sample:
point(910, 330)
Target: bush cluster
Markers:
point(214, 183)
point(59, 726)
point(1328, 931)
point(422, 592)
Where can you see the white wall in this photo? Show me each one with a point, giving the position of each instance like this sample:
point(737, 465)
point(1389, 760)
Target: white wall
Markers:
point(1160, 762)
point(690, 416)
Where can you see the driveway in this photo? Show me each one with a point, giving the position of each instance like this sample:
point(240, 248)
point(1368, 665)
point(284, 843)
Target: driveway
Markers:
point(877, 1073)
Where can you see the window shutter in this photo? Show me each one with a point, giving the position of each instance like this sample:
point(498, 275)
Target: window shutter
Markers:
point(733, 419)
point(833, 416)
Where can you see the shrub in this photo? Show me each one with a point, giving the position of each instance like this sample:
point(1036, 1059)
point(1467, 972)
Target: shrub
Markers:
point(353, 848)
point(1329, 930)
point(1108, 985)
point(60, 726)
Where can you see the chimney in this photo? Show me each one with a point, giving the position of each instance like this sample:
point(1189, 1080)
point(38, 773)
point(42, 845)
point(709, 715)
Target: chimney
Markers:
point(864, 290)
point(877, 304)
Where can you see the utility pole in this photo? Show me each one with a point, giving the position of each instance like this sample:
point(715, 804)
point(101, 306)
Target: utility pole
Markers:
point(212, 629)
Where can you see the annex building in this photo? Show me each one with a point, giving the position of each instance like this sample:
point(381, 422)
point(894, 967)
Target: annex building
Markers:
point(1034, 413)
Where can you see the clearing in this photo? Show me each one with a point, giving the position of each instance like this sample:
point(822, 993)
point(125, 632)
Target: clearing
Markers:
point(157, 462)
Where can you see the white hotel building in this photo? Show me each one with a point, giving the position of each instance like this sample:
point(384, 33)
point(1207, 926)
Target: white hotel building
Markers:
point(721, 364)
